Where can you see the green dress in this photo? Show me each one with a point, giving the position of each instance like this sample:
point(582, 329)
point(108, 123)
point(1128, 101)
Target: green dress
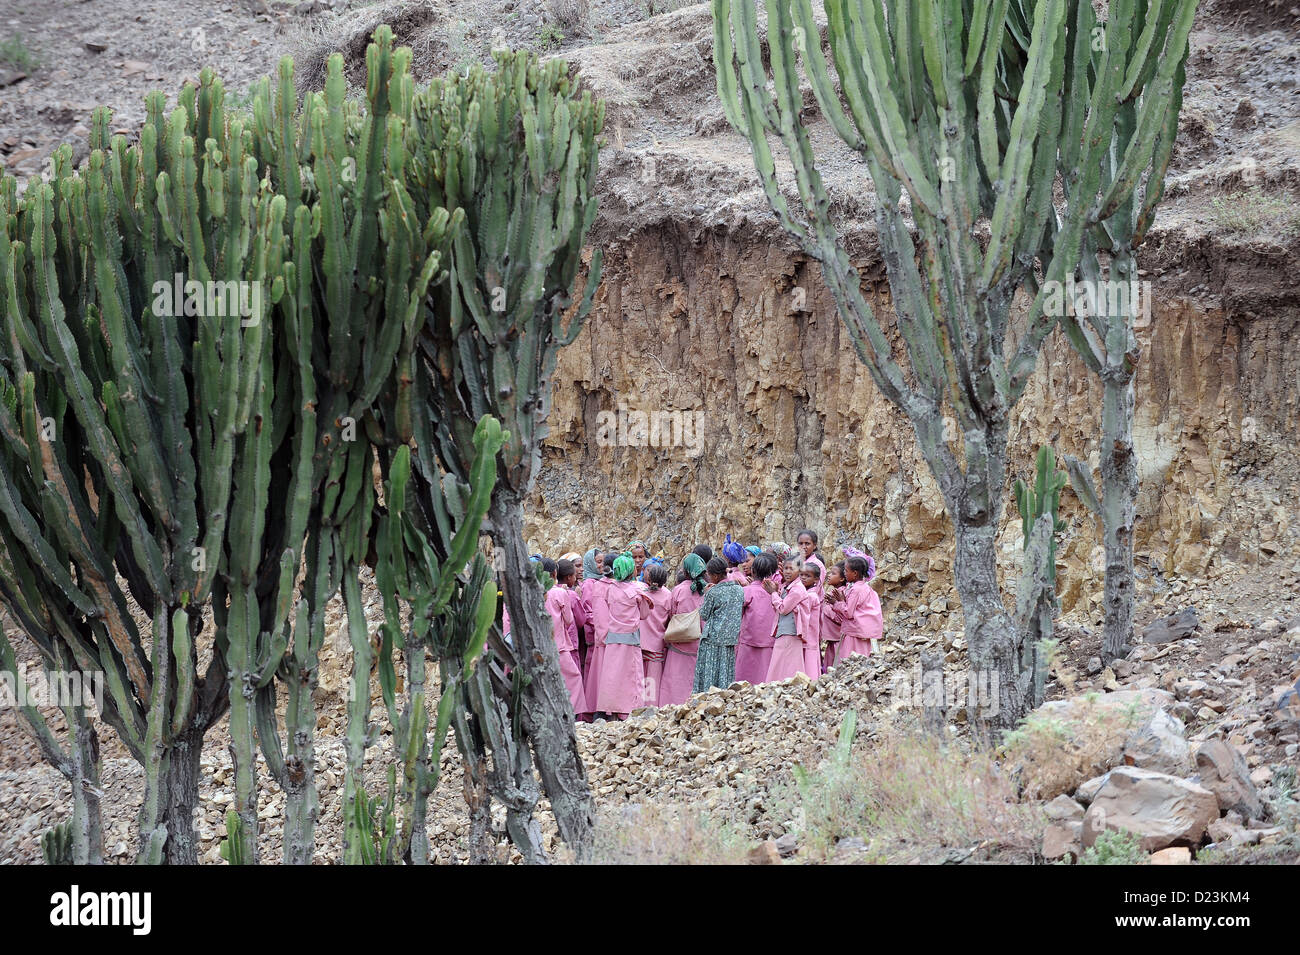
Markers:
point(719, 633)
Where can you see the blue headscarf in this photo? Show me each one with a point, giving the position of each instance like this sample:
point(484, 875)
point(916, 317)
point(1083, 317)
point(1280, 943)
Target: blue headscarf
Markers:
point(732, 550)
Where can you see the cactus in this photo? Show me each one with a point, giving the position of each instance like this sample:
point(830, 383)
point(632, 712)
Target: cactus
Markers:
point(57, 844)
point(1036, 602)
point(970, 109)
point(515, 150)
point(234, 847)
point(124, 422)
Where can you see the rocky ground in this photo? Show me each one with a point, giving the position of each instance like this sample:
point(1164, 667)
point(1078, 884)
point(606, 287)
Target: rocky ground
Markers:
point(674, 163)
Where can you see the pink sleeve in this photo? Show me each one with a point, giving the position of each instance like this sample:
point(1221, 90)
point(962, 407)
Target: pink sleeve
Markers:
point(792, 599)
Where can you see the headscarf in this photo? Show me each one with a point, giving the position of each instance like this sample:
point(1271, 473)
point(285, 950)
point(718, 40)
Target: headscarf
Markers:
point(871, 562)
point(635, 544)
point(624, 567)
point(694, 565)
point(733, 552)
point(571, 555)
point(589, 569)
point(754, 551)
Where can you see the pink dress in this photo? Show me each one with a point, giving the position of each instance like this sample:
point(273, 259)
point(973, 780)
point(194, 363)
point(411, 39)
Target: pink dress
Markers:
point(679, 661)
point(598, 606)
point(757, 634)
point(812, 639)
point(582, 621)
point(656, 608)
point(738, 575)
point(862, 621)
point(830, 633)
point(621, 685)
point(565, 631)
point(787, 652)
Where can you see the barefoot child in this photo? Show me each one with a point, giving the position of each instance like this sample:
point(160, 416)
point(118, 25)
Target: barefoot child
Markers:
point(757, 624)
point(656, 608)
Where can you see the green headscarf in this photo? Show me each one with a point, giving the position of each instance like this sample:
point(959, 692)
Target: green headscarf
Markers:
point(624, 567)
point(694, 565)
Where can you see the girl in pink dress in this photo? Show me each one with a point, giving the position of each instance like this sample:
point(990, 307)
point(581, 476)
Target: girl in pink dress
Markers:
point(830, 622)
point(757, 624)
point(812, 638)
point(679, 660)
point(598, 603)
point(806, 541)
point(858, 609)
point(622, 670)
point(793, 605)
point(592, 573)
point(656, 608)
point(565, 631)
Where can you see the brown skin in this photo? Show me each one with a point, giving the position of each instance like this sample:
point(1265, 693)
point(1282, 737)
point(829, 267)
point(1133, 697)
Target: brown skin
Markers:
point(570, 581)
point(809, 576)
point(638, 560)
point(806, 545)
point(714, 578)
point(788, 572)
point(833, 584)
point(748, 567)
point(600, 561)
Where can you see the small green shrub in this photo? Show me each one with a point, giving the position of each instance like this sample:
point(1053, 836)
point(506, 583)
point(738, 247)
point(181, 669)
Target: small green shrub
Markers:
point(15, 55)
point(1115, 847)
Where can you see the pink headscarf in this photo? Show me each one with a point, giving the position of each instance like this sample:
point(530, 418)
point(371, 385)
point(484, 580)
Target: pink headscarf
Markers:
point(871, 562)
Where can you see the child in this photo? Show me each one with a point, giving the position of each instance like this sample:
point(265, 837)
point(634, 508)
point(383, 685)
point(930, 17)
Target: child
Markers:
point(812, 639)
point(595, 593)
point(807, 541)
point(830, 622)
point(564, 629)
point(720, 614)
point(793, 605)
point(859, 612)
point(679, 661)
point(622, 671)
point(735, 555)
point(656, 608)
point(757, 624)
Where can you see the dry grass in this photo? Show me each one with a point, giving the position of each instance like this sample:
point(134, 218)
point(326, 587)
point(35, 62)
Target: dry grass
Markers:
point(906, 791)
point(1050, 754)
point(1256, 213)
point(650, 834)
point(351, 32)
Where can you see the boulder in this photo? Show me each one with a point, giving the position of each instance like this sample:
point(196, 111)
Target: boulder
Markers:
point(1176, 626)
point(1162, 810)
point(1174, 855)
point(1088, 789)
point(1064, 809)
point(1062, 839)
point(1158, 744)
point(765, 853)
point(1223, 771)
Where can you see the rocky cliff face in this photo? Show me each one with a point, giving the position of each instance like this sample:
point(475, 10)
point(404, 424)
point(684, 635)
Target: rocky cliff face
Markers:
point(735, 331)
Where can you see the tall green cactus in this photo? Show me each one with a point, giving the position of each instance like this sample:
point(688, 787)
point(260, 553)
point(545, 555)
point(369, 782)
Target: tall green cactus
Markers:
point(126, 421)
point(516, 151)
point(970, 109)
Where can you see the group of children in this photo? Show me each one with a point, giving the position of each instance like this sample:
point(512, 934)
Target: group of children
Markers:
point(760, 615)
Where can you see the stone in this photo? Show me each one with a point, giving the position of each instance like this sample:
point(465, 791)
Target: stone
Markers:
point(1161, 809)
point(1064, 809)
point(1174, 855)
point(787, 845)
point(1223, 771)
point(1088, 790)
point(1176, 626)
point(1158, 744)
point(1062, 839)
point(765, 853)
